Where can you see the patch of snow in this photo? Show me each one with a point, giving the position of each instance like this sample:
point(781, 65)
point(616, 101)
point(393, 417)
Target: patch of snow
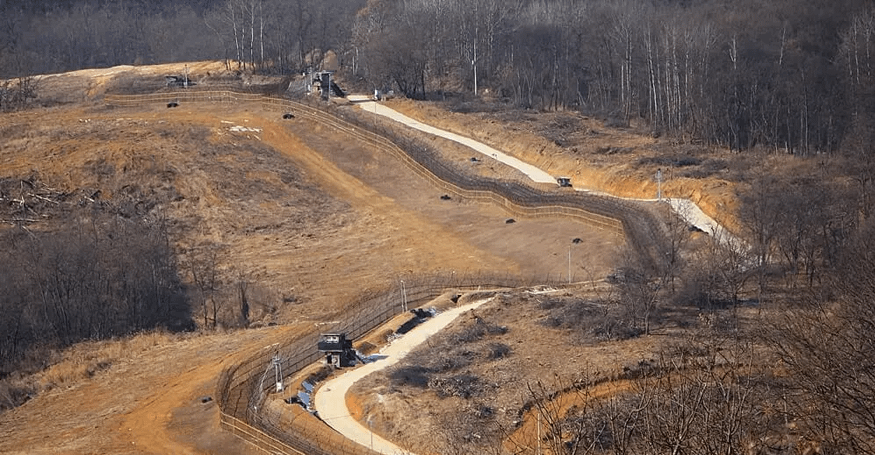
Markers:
point(244, 129)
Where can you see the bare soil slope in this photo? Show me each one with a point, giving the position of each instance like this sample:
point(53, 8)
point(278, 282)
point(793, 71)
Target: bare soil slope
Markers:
point(311, 216)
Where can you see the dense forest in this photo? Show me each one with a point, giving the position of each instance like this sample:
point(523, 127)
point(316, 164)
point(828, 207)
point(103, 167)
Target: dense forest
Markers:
point(49, 36)
point(790, 75)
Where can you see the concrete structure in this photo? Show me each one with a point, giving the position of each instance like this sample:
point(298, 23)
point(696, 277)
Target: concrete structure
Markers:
point(338, 350)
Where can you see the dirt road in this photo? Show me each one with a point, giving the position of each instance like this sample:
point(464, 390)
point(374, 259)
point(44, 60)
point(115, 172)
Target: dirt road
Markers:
point(687, 209)
point(534, 173)
point(330, 399)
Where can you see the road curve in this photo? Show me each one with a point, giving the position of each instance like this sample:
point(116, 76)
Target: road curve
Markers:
point(330, 399)
point(687, 209)
point(534, 173)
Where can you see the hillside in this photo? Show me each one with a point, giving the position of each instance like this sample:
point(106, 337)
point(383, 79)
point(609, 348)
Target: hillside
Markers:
point(148, 247)
point(308, 217)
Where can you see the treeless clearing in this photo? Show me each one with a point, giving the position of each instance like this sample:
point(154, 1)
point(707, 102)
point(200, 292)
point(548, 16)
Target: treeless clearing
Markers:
point(314, 218)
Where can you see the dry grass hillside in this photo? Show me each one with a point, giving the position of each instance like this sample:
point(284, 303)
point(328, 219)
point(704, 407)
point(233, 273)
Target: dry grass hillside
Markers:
point(309, 217)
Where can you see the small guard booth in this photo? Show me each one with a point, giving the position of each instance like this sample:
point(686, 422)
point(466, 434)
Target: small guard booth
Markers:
point(337, 349)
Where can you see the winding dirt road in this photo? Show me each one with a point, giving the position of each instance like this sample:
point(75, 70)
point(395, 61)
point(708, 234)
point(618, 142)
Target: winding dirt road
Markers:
point(330, 399)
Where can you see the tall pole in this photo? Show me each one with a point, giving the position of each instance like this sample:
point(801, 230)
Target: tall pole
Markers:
point(403, 297)
point(539, 432)
point(659, 184)
point(474, 62)
point(569, 265)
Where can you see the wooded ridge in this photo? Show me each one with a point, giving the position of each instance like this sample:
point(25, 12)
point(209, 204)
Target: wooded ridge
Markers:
point(790, 75)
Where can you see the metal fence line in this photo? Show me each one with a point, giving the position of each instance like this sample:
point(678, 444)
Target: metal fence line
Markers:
point(240, 393)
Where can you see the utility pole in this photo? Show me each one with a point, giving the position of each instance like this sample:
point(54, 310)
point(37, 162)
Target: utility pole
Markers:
point(659, 184)
point(569, 265)
point(474, 61)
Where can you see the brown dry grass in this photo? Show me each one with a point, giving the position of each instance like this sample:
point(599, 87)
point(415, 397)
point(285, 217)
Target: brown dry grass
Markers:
point(312, 217)
point(619, 161)
point(88, 359)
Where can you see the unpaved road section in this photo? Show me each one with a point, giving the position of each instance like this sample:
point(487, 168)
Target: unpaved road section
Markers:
point(534, 173)
point(687, 209)
point(330, 399)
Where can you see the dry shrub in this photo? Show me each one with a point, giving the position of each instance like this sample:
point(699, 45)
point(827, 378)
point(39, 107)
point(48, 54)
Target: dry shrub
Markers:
point(462, 385)
point(15, 391)
point(589, 320)
point(88, 359)
point(478, 330)
point(410, 375)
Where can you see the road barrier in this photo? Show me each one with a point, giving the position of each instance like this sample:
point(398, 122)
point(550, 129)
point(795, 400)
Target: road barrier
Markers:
point(243, 388)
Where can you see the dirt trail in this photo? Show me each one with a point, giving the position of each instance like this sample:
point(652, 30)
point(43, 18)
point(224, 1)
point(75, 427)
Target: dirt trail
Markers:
point(129, 408)
point(537, 175)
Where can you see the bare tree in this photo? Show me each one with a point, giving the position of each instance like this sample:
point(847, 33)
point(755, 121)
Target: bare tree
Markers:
point(203, 266)
point(826, 346)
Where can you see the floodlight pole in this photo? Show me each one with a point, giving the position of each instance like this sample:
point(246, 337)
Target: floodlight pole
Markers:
point(659, 184)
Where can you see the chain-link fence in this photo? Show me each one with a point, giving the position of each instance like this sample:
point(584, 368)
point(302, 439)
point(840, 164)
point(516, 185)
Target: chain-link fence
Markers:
point(242, 388)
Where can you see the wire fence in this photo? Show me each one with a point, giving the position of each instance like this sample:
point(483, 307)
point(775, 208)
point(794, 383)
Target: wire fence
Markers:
point(633, 220)
point(243, 388)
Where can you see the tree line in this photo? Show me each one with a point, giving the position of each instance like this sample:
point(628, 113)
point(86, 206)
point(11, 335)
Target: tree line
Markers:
point(790, 75)
point(98, 277)
point(51, 36)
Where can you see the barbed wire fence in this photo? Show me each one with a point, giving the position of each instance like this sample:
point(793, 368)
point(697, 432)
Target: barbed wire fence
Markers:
point(241, 392)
